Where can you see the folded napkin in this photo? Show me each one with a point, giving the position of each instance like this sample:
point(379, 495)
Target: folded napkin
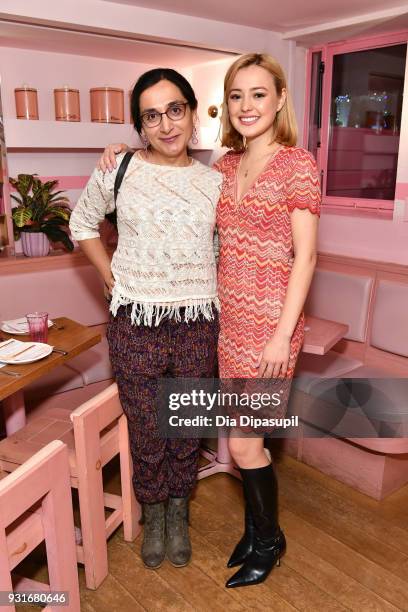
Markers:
point(9, 348)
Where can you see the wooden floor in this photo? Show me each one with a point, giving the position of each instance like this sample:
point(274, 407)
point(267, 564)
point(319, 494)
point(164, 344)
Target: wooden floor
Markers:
point(345, 552)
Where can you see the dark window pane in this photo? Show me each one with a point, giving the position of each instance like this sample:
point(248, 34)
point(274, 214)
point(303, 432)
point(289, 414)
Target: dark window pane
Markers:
point(366, 103)
point(315, 104)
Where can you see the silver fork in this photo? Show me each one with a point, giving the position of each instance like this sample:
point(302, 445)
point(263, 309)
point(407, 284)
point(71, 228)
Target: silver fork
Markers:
point(57, 350)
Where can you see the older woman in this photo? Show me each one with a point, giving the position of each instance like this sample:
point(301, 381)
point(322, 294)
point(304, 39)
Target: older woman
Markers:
point(162, 285)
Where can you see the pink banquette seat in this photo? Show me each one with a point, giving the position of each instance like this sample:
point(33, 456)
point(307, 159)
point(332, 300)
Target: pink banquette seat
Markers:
point(376, 348)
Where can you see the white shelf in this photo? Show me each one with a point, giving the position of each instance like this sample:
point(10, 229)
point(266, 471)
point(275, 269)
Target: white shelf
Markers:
point(25, 134)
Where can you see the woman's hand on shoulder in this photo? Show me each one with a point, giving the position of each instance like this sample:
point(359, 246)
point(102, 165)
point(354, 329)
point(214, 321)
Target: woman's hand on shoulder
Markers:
point(107, 161)
point(274, 360)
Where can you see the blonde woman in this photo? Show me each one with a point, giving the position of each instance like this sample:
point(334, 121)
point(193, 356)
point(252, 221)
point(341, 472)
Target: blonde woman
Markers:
point(267, 218)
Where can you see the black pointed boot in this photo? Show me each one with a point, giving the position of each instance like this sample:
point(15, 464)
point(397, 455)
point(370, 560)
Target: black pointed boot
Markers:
point(246, 543)
point(261, 487)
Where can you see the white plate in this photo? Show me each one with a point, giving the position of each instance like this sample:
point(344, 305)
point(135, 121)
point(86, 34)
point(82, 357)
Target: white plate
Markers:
point(37, 351)
point(21, 328)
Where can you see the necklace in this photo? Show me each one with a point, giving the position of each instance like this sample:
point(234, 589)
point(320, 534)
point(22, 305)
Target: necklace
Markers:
point(246, 172)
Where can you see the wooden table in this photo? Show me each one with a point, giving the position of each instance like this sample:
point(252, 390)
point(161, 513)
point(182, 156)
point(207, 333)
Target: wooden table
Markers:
point(71, 337)
point(321, 335)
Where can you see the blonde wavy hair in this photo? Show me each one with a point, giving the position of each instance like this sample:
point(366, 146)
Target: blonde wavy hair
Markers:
point(285, 126)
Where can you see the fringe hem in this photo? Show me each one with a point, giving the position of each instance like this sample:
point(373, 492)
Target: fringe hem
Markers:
point(145, 313)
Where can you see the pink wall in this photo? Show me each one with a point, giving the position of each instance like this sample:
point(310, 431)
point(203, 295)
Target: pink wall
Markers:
point(296, 75)
point(208, 83)
point(375, 239)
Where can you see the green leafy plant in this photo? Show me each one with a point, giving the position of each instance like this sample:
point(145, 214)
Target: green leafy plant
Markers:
point(40, 209)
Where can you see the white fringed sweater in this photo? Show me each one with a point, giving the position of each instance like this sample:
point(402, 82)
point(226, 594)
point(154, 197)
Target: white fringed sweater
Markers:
point(165, 257)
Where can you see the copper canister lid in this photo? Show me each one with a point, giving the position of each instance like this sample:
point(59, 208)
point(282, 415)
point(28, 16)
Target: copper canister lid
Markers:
point(69, 89)
point(25, 89)
point(106, 89)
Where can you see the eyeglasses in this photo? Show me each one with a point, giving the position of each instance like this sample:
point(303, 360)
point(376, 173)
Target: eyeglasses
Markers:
point(175, 112)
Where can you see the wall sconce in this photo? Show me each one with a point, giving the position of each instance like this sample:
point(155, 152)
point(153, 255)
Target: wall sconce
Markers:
point(213, 111)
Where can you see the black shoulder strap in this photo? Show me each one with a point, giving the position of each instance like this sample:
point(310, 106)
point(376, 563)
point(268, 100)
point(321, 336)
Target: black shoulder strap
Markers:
point(121, 173)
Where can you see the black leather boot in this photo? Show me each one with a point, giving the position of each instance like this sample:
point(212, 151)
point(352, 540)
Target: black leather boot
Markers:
point(246, 543)
point(261, 488)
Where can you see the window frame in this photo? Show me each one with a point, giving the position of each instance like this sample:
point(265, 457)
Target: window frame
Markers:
point(344, 204)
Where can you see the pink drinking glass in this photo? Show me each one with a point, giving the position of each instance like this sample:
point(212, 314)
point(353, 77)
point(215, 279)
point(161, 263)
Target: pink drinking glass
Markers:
point(38, 326)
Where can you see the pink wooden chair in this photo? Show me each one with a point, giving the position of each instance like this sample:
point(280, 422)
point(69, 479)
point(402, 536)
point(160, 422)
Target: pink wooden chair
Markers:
point(35, 505)
point(94, 433)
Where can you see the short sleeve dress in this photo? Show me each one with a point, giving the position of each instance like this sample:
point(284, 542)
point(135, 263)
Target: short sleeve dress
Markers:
point(256, 255)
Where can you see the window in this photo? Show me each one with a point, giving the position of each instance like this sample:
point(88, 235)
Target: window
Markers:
point(354, 121)
point(315, 107)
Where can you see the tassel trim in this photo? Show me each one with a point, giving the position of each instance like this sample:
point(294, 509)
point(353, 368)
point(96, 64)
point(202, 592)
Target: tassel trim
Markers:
point(146, 313)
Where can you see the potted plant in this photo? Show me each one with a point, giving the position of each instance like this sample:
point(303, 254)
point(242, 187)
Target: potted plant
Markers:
point(40, 216)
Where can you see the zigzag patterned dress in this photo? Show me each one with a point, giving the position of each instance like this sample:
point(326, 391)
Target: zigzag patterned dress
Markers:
point(256, 255)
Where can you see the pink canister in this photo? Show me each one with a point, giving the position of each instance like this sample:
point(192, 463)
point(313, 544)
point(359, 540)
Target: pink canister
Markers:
point(26, 103)
point(67, 104)
point(107, 105)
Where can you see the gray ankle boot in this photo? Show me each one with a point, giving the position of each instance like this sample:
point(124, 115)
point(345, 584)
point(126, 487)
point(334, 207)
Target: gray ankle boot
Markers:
point(153, 547)
point(178, 546)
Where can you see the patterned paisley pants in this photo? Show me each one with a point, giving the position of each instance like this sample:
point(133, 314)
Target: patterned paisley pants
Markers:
point(139, 356)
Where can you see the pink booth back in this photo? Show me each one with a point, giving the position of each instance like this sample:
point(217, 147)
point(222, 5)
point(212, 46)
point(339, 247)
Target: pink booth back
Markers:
point(389, 330)
point(75, 292)
point(341, 297)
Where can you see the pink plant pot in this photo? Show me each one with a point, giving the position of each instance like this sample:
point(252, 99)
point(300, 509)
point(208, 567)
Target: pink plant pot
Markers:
point(35, 244)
